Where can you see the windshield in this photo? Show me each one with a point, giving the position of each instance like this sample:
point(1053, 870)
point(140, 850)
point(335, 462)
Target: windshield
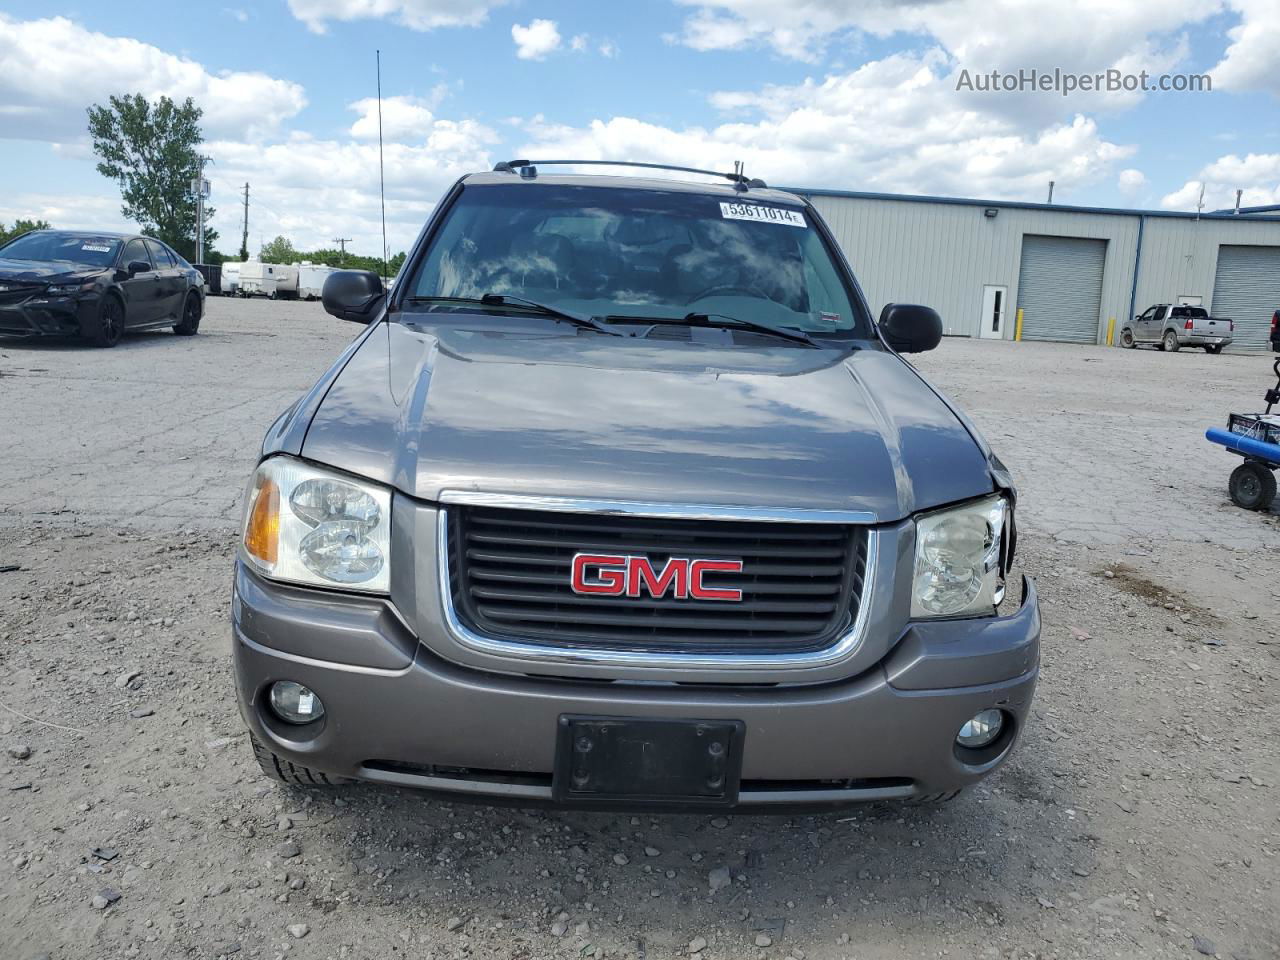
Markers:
point(69, 248)
point(606, 251)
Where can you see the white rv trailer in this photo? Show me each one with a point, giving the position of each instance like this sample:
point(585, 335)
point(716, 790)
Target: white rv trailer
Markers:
point(270, 280)
point(286, 281)
point(257, 279)
point(311, 277)
point(230, 278)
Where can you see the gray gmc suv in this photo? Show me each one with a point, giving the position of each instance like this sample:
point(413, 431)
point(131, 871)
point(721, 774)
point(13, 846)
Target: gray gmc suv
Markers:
point(622, 498)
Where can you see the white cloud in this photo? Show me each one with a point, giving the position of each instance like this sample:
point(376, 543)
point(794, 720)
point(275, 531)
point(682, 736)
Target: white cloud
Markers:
point(237, 14)
point(51, 70)
point(1257, 174)
point(977, 36)
point(608, 49)
point(312, 190)
point(536, 40)
point(1131, 181)
point(1083, 36)
point(402, 118)
point(415, 14)
point(308, 189)
point(1250, 61)
point(67, 210)
point(579, 42)
point(892, 125)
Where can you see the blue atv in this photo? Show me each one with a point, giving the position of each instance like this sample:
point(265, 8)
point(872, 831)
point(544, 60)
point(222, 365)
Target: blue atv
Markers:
point(1256, 437)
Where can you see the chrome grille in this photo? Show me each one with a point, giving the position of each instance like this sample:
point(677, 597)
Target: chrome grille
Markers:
point(510, 576)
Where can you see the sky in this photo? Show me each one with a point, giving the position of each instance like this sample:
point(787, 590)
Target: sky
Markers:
point(846, 94)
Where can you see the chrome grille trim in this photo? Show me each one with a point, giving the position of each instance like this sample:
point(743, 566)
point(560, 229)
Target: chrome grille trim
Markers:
point(640, 508)
point(515, 650)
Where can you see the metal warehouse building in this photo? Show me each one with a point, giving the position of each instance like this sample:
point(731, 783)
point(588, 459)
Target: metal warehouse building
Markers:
point(1071, 270)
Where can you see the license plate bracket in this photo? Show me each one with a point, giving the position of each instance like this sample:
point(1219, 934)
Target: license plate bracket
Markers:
point(648, 760)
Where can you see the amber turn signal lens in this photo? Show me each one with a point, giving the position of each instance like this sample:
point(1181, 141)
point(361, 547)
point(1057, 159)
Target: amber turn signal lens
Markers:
point(262, 532)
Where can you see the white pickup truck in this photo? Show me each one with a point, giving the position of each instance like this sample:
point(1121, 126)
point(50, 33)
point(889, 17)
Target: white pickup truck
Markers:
point(1171, 326)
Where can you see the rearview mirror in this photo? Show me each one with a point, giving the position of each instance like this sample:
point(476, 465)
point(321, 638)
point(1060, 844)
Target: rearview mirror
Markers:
point(353, 295)
point(910, 328)
point(138, 266)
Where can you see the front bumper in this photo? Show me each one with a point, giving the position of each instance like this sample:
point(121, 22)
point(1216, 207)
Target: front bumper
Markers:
point(407, 717)
point(47, 316)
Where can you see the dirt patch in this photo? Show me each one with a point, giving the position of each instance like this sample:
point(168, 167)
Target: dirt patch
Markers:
point(1134, 582)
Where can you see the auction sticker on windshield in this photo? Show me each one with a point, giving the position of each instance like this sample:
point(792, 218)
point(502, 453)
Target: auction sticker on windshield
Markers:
point(754, 211)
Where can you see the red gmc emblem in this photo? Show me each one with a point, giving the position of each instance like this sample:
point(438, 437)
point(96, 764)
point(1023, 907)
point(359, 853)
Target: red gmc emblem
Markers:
point(618, 575)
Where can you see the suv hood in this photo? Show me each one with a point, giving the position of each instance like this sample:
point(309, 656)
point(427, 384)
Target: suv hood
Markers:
point(510, 408)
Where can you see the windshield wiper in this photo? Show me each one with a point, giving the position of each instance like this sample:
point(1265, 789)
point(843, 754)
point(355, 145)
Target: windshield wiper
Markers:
point(722, 321)
point(505, 300)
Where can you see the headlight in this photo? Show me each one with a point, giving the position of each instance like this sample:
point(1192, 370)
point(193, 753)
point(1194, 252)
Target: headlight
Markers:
point(958, 555)
point(66, 289)
point(306, 525)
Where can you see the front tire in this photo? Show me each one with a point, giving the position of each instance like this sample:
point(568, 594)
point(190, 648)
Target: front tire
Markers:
point(109, 324)
point(1170, 342)
point(1252, 486)
point(190, 323)
point(1126, 339)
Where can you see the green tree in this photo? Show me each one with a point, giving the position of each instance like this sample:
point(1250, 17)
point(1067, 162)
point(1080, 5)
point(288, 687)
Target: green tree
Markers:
point(20, 227)
point(395, 263)
point(279, 250)
point(152, 152)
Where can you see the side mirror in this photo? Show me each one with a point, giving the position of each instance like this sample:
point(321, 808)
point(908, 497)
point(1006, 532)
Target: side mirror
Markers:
point(910, 328)
point(353, 295)
point(138, 266)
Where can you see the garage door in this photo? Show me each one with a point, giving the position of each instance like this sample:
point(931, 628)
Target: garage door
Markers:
point(1060, 288)
point(1247, 290)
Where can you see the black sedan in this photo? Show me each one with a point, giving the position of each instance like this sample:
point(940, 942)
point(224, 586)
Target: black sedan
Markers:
point(96, 286)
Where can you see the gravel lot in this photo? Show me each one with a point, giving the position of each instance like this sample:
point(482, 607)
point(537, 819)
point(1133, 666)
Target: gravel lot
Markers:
point(1140, 819)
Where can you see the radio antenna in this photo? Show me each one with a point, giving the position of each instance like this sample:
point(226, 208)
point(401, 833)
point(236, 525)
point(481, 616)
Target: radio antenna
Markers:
point(382, 182)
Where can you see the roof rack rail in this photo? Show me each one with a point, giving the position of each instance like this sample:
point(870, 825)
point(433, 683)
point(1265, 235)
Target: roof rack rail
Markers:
point(738, 178)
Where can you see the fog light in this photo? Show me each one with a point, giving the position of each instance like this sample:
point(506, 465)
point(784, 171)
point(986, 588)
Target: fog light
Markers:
point(295, 703)
point(981, 730)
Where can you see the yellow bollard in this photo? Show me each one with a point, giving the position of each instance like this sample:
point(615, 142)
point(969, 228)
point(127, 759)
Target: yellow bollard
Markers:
point(1111, 330)
point(1017, 328)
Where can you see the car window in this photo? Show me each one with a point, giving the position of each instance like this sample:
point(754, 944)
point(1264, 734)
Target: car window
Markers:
point(1198, 313)
point(42, 246)
point(160, 255)
point(1160, 313)
point(136, 250)
point(644, 253)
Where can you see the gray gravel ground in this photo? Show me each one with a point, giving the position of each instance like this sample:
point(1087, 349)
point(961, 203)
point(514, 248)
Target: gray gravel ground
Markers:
point(1141, 817)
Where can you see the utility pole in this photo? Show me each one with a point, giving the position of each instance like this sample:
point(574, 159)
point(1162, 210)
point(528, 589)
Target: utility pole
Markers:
point(1051, 191)
point(244, 234)
point(342, 245)
point(200, 187)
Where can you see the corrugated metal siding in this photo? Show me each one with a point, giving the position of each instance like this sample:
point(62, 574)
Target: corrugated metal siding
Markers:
point(1246, 289)
point(1060, 288)
point(942, 254)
